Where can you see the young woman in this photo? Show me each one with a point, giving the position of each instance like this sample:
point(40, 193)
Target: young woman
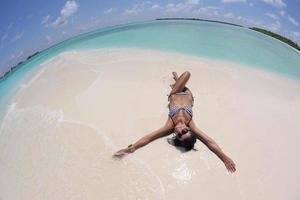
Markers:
point(180, 122)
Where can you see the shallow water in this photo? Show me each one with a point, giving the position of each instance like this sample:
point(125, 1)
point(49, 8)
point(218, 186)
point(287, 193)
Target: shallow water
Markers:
point(206, 39)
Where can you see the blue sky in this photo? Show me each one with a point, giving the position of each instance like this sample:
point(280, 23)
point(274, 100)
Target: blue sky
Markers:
point(32, 25)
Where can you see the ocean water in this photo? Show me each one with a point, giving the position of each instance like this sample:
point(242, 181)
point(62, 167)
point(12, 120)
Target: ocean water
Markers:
point(205, 39)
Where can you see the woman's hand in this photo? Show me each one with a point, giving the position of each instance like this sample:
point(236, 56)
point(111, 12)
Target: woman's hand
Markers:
point(121, 153)
point(163, 131)
point(230, 165)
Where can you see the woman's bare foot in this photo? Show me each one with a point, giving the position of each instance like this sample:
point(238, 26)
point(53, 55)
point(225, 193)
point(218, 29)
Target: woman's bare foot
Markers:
point(175, 77)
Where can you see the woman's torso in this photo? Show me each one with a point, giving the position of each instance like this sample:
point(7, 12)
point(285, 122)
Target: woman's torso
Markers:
point(181, 100)
point(183, 103)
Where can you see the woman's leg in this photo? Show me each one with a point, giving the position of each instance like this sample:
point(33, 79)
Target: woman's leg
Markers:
point(179, 86)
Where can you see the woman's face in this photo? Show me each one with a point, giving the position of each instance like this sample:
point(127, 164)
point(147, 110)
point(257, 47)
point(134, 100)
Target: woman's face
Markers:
point(182, 132)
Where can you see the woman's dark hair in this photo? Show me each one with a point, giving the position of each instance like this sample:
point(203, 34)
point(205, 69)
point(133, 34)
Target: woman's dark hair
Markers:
point(188, 143)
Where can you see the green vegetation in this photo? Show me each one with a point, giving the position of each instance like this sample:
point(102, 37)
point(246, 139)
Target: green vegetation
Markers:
point(277, 36)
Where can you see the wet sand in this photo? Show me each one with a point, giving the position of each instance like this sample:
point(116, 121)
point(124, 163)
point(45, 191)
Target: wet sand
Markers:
point(75, 110)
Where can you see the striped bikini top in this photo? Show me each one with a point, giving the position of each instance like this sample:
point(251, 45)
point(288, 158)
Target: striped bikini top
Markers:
point(173, 110)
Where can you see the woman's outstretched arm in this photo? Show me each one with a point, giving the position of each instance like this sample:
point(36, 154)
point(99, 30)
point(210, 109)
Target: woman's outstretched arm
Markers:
point(163, 131)
point(213, 146)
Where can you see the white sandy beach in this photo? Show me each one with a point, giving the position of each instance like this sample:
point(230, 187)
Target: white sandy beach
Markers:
point(74, 111)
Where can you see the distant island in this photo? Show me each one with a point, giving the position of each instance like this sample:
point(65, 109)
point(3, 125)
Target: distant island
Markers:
point(198, 19)
point(36, 53)
point(277, 36)
point(15, 66)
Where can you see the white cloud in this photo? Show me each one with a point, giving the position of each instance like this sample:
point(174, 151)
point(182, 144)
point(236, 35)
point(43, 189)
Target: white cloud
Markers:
point(132, 11)
point(12, 56)
point(207, 11)
point(273, 26)
point(137, 8)
point(272, 16)
point(193, 2)
point(48, 38)
point(108, 11)
point(70, 8)
point(155, 6)
point(296, 36)
point(181, 7)
point(276, 3)
point(21, 53)
point(216, 13)
point(6, 34)
point(248, 21)
point(45, 19)
point(229, 15)
point(4, 37)
point(176, 7)
point(282, 13)
point(17, 36)
point(185, 6)
point(234, 1)
point(293, 21)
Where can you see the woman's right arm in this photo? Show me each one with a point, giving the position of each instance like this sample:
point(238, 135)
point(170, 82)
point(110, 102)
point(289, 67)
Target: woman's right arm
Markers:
point(161, 132)
point(213, 146)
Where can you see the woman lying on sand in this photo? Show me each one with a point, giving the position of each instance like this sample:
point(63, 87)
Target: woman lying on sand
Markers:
point(180, 122)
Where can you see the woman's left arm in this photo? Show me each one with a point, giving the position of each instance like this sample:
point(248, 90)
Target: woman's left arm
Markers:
point(213, 146)
point(163, 131)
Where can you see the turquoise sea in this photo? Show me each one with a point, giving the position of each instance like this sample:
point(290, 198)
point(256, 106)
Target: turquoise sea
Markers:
point(200, 38)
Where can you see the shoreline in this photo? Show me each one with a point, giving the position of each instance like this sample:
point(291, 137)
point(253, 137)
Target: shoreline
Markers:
point(250, 68)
